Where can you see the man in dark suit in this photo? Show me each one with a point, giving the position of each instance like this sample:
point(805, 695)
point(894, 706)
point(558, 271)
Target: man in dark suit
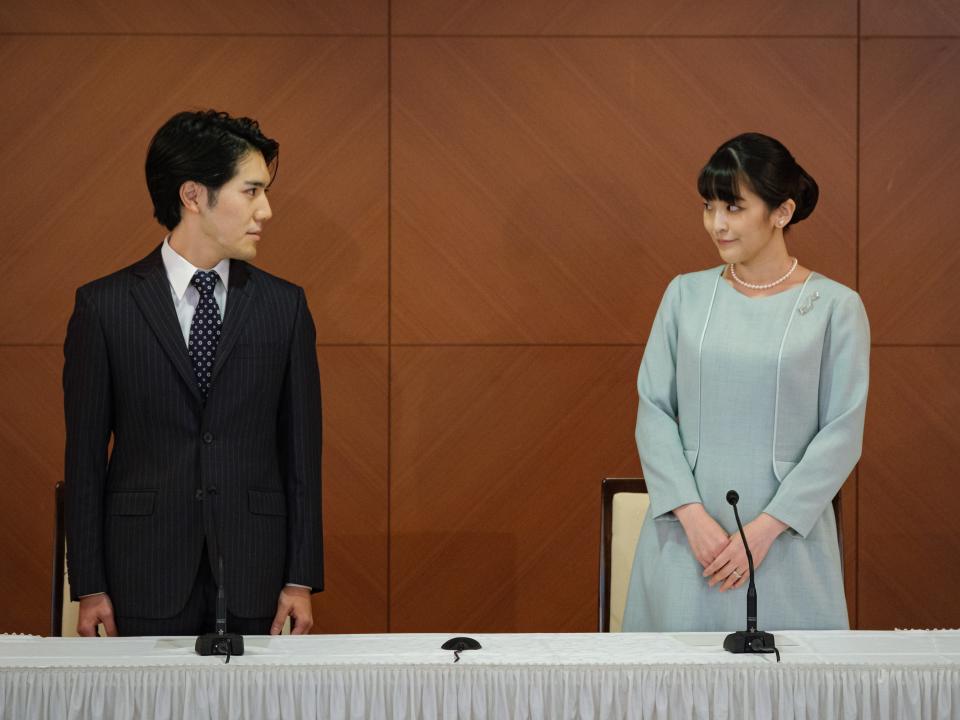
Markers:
point(202, 372)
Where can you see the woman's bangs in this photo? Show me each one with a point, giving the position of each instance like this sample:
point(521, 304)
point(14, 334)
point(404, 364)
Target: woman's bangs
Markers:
point(720, 181)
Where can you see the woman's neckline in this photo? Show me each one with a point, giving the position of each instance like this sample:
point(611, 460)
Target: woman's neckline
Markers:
point(785, 291)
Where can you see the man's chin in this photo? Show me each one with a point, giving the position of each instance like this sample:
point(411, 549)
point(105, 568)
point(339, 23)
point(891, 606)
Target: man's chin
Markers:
point(246, 251)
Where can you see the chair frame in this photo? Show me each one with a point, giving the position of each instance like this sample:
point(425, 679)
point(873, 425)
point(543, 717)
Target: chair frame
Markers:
point(608, 488)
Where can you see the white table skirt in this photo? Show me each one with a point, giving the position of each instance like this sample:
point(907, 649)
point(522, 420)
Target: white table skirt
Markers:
point(893, 675)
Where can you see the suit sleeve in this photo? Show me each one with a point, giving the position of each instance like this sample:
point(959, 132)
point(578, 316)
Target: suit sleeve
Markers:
point(834, 451)
point(87, 402)
point(670, 481)
point(300, 441)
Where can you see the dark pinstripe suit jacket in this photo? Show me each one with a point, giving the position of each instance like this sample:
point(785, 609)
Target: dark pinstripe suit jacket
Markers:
point(244, 467)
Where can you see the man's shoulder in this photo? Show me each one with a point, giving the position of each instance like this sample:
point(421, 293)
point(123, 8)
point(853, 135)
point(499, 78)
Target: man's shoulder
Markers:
point(119, 281)
point(262, 276)
point(283, 290)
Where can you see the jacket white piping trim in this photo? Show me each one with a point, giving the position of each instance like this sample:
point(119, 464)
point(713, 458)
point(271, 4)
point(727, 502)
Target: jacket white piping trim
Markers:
point(703, 334)
point(776, 402)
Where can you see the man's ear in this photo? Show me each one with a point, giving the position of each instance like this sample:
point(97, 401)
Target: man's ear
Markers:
point(192, 195)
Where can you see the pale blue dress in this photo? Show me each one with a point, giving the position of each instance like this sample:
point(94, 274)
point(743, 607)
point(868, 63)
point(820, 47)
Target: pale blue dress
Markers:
point(740, 348)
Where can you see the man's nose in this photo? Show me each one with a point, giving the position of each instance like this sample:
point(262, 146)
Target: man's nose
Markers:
point(264, 212)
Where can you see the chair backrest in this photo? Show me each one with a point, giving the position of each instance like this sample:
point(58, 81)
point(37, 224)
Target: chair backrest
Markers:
point(63, 612)
point(623, 506)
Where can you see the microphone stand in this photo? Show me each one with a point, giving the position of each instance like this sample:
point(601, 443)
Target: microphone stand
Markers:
point(750, 640)
point(220, 642)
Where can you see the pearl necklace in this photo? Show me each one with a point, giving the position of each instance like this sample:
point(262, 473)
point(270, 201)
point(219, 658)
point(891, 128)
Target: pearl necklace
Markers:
point(765, 286)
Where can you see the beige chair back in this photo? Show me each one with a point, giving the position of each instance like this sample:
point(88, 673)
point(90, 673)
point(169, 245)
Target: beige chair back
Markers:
point(624, 503)
point(629, 510)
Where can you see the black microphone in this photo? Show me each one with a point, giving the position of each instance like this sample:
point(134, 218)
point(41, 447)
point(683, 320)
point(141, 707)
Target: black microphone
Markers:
point(751, 640)
point(220, 642)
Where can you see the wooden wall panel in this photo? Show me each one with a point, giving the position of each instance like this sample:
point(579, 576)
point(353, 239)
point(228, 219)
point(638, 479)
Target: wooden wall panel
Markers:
point(920, 17)
point(79, 115)
point(173, 17)
point(355, 426)
point(31, 451)
point(909, 539)
point(544, 191)
point(497, 456)
point(909, 189)
point(624, 17)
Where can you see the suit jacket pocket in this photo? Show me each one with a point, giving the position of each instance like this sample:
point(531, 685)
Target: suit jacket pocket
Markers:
point(264, 502)
point(131, 503)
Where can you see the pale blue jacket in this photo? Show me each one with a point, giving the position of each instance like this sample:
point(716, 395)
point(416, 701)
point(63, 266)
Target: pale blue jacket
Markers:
point(822, 379)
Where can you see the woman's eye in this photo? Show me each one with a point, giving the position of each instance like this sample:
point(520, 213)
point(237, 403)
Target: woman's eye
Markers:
point(706, 206)
point(734, 208)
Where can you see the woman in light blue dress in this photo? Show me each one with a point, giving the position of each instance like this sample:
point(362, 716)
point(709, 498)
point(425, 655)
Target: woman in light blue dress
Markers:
point(754, 379)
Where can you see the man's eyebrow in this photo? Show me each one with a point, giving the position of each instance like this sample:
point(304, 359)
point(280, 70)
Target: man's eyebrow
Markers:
point(255, 183)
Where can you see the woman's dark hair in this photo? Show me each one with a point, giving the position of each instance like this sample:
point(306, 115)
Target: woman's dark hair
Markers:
point(766, 167)
point(205, 147)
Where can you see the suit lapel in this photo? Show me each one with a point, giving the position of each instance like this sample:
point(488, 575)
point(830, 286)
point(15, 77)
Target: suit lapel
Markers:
point(152, 295)
point(239, 297)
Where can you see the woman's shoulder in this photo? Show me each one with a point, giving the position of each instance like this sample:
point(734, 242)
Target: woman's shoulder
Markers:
point(695, 282)
point(844, 305)
point(701, 277)
point(835, 291)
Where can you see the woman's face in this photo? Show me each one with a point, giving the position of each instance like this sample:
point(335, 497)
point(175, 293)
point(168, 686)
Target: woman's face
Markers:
point(743, 231)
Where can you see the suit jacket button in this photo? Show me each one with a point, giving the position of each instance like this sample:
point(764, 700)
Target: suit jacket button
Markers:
point(211, 491)
point(208, 437)
point(198, 494)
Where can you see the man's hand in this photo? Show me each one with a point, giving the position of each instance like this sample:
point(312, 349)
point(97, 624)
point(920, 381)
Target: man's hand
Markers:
point(706, 537)
point(95, 609)
point(295, 602)
point(730, 568)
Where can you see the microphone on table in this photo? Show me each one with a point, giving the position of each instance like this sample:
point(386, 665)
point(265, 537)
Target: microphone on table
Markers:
point(750, 640)
point(220, 642)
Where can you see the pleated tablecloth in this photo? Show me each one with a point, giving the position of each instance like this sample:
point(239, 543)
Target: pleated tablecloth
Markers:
point(877, 675)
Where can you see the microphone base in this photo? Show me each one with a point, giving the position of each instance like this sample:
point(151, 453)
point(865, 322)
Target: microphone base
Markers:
point(749, 641)
point(216, 644)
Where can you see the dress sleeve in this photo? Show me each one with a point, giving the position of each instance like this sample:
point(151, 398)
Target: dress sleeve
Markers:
point(669, 479)
point(834, 451)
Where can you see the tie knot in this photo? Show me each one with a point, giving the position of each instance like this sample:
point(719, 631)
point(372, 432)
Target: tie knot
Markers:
point(205, 281)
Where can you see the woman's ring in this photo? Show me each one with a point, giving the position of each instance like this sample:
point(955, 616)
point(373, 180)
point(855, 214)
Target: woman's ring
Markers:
point(738, 574)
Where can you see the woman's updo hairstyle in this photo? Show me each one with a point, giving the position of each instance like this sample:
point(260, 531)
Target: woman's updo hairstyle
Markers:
point(766, 167)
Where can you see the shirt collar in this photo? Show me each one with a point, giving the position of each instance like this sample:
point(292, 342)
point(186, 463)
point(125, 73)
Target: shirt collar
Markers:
point(180, 271)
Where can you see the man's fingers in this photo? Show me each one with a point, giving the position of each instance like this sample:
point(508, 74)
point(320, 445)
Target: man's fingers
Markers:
point(110, 626)
point(279, 619)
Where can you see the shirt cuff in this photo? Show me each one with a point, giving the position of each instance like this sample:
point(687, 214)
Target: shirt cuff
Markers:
point(307, 587)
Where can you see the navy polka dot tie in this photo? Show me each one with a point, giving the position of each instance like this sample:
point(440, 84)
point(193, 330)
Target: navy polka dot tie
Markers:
point(204, 330)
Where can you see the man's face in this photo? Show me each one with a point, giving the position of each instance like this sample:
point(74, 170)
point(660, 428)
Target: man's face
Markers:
point(232, 225)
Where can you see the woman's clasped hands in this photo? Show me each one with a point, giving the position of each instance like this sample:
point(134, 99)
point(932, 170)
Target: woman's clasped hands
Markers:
point(723, 556)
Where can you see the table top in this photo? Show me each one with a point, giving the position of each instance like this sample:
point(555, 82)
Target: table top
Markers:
point(914, 648)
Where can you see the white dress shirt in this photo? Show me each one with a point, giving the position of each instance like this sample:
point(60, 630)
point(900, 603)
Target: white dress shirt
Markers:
point(186, 296)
